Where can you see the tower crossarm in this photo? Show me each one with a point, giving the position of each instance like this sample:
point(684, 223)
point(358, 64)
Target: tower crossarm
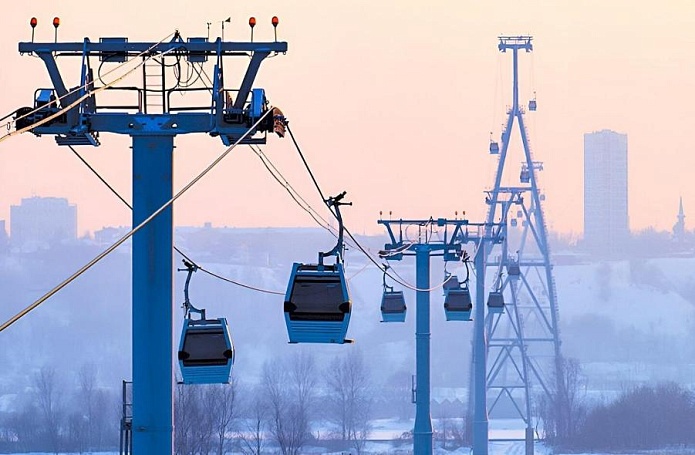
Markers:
point(443, 236)
point(515, 42)
point(76, 117)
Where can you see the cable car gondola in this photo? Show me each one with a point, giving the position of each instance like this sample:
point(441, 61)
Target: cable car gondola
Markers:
point(525, 175)
point(457, 297)
point(317, 303)
point(393, 307)
point(513, 269)
point(494, 146)
point(532, 105)
point(495, 302)
point(206, 350)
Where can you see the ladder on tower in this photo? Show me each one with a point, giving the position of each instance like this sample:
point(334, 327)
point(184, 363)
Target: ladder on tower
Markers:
point(126, 445)
point(153, 83)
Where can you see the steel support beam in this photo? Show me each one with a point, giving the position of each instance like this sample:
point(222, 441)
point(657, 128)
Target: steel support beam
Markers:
point(152, 297)
point(480, 419)
point(422, 432)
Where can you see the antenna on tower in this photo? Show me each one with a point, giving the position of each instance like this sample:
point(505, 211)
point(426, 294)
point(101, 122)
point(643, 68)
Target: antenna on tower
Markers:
point(228, 20)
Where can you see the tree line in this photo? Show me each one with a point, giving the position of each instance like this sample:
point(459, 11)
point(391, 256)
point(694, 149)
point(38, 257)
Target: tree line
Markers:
point(281, 413)
point(643, 417)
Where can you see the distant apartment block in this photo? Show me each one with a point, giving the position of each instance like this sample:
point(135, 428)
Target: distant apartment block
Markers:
point(606, 223)
point(39, 222)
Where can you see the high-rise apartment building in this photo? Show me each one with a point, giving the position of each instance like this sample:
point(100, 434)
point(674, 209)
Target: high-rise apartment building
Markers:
point(606, 226)
point(39, 222)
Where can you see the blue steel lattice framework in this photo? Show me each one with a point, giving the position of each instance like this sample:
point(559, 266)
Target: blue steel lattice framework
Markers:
point(443, 237)
point(523, 342)
point(76, 118)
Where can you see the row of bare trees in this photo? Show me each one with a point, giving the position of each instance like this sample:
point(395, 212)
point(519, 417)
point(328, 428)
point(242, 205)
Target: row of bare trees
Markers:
point(52, 416)
point(281, 412)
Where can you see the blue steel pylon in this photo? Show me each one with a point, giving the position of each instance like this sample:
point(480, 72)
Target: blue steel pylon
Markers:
point(75, 118)
point(523, 343)
point(442, 237)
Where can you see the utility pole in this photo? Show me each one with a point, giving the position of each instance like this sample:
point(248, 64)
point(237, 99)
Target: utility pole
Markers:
point(448, 242)
point(75, 117)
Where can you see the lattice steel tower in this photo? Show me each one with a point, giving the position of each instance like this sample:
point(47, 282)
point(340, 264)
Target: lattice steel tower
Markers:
point(523, 342)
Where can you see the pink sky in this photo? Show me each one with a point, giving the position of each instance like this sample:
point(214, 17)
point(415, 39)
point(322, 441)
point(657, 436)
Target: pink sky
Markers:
point(393, 101)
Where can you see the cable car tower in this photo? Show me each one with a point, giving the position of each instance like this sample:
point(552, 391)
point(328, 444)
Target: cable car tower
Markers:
point(445, 238)
point(155, 114)
point(523, 341)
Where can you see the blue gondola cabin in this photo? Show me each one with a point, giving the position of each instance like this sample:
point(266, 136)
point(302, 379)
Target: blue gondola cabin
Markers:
point(495, 302)
point(206, 351)
point(393, 307)
point(317, 304)
point(458, 304)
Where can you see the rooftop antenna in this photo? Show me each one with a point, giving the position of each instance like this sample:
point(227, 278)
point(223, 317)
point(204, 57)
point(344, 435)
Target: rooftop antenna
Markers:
point(228, 20)
point(33, 23)
point(252, 24)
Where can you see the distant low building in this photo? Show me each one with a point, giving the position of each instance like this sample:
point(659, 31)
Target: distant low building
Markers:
point(39, 222)
point(110, 235)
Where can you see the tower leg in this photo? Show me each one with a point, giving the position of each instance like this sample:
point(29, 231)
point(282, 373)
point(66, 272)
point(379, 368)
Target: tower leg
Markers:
point(529, 441)
point(480, 420)
point(422, 433)
point(152, 297)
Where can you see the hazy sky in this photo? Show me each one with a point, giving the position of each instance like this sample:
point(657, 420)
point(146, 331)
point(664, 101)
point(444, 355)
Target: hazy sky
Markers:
point(393, 101)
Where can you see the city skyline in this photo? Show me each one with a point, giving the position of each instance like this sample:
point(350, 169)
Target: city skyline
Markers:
point(413, 98)
point(83, 231)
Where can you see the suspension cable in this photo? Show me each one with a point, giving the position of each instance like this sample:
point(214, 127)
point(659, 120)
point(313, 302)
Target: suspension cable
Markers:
point(294, 194)
point(186, 257)
point(301, 155)
point(396, 278)
point(128, 235)
point(127, 204)
point(247, 286)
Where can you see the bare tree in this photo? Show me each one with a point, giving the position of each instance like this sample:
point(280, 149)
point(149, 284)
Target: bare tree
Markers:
point(563, 411)
point(184, 418)
point(48, 398)
point(251, 436)
point(87, 397)
point(24, 429)
point(290, 388)
point(349, 399)
point(221, 404)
